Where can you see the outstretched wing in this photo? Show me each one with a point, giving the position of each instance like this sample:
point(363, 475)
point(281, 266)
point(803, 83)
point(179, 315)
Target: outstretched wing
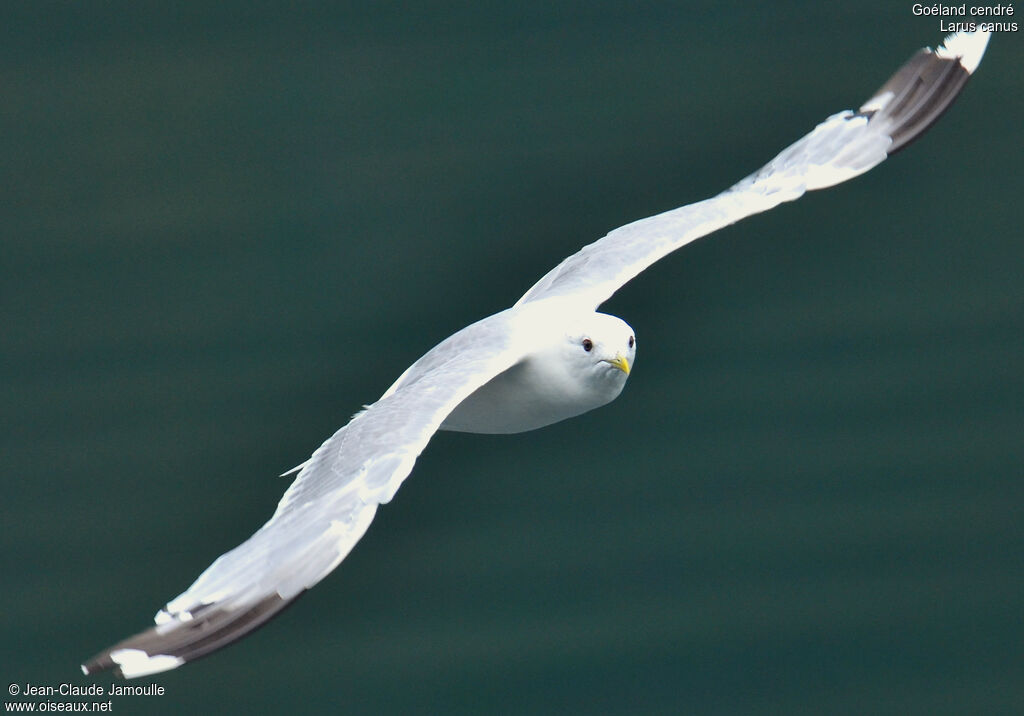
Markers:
point(323, 513)
point(843, 146)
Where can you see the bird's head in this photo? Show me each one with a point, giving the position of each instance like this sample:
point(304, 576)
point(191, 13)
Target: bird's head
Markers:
point(601, 348)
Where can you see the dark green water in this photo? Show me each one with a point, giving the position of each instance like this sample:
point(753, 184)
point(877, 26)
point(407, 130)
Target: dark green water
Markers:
point(227, 229)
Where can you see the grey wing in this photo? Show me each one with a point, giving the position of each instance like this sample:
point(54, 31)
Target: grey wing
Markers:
point(843, 146)
point(323, 513)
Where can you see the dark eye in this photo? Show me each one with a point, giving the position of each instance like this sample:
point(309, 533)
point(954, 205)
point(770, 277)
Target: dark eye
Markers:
point(588, 345)
point(631, 341)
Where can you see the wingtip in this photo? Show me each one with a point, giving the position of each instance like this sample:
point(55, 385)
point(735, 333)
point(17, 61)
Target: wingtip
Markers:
point(925, 87)
point(129, 663)
point(967, 47)
point(178, 641)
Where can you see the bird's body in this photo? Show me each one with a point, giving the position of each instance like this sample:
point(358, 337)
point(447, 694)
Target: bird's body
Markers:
point(549, 357)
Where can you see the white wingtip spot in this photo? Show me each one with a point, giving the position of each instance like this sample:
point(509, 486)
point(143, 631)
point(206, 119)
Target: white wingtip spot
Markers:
point(84, 670)
point(135, 662)
point(968, 47)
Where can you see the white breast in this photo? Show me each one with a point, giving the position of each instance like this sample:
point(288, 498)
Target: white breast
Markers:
point(531, 395)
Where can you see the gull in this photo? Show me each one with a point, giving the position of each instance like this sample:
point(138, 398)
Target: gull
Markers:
point(549, 357)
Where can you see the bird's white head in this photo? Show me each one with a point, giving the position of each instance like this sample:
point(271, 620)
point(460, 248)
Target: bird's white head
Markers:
point(601, 349)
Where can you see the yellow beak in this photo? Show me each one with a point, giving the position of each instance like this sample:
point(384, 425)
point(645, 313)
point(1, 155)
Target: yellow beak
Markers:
point(620, 362)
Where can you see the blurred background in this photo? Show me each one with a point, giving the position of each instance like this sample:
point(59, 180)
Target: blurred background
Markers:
point(228, 227)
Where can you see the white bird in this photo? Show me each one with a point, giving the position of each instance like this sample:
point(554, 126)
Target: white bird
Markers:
point(549, 357)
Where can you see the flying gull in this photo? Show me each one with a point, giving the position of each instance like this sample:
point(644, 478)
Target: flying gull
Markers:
point(549, 357)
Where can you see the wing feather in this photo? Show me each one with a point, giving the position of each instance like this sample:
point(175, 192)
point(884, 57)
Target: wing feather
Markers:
point(325, 511)
point(845, 145)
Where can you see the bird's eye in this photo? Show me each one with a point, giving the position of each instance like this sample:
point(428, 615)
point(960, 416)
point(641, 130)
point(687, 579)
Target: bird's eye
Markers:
point(588, 345)
point(631, 341)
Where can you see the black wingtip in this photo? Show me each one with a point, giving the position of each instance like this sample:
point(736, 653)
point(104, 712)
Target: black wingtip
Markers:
point(167, 646)
point(924, 88)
